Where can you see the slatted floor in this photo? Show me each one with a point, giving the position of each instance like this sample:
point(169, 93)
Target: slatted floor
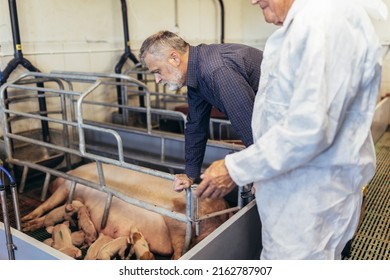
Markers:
point(372, 240)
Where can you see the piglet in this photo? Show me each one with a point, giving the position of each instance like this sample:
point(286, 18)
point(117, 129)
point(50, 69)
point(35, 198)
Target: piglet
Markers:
point(62, 240)
point(140, 246)
point(85, 224)
point(116, 247)
point(94, 249)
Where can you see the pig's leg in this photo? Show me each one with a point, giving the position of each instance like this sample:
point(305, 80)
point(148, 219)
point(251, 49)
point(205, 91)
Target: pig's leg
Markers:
point(177, 231)
point(73, 252)
point(55, 216)
point(59, 196)
point(33, 224)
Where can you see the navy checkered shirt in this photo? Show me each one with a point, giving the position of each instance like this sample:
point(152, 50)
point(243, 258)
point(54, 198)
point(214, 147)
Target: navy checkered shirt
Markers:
point(225, 76)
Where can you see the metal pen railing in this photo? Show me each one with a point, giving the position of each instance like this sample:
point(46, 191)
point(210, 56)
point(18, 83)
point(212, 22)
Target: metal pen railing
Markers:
point(78, 125)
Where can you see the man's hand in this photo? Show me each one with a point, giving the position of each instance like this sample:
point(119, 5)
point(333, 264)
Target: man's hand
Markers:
point(181, 182)
point(216, 181)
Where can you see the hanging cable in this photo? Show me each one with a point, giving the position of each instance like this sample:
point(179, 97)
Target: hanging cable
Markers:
point(12, 181)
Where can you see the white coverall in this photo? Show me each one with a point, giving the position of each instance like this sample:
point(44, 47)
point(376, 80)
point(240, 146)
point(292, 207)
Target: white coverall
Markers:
point(313, 151)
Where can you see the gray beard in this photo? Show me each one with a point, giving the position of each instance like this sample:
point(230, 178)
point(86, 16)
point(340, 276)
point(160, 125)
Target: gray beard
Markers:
point(173, 86)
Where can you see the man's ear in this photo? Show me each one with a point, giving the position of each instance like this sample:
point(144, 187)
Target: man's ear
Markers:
point(174, 58)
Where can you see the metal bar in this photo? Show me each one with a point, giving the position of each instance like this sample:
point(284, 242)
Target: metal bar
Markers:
point(222, 21)
point(173, 114)
point(120, 77)
point(71, 192)
point(7, 227)
point(43, 89)
point(15, 201)
point(240, 200)
point(15, 27)
point(79, 123)
point(99, 167)
point(20, 60)
point(196, 213)
point(148, 113)
point(65, 130)
point(45, 187)
point(34, 116)
point(127, 50)
point(162, 150)
point(106, 210)
point(218, 213)
point(92, 156)
point(197, 219)
point(80, 120)
point(57, 75)
point(74, 180)
point(23, 180)
point(188, 235)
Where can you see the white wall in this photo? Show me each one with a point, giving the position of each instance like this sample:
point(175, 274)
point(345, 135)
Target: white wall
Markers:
point(87, 35)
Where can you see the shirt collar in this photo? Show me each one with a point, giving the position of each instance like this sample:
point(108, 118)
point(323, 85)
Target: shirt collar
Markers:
point(192, 66)
point(296, 5)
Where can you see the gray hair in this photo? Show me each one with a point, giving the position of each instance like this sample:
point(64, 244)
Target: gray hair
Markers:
point(157, 43)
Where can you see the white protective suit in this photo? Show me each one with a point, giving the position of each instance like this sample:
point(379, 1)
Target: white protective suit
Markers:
point(313, 151)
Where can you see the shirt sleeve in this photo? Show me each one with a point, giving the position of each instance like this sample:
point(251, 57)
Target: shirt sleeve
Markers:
point(316, 64)
point(238, 97)
point(196, 133)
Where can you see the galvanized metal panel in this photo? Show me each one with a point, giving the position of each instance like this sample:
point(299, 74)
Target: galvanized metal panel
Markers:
point(239, 238)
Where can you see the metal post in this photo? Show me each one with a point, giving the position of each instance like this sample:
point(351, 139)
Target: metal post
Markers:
point(20, 60)
point(7, 227)
point(222, 21)
point(127, 54)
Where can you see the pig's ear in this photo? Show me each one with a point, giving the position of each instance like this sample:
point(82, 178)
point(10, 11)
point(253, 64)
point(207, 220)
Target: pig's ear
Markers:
point(66, 223)
point(49, 229)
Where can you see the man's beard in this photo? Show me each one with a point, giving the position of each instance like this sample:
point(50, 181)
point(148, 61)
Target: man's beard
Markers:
point(176, 84)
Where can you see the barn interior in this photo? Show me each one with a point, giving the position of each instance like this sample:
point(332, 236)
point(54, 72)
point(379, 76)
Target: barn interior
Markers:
point(74, 92)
